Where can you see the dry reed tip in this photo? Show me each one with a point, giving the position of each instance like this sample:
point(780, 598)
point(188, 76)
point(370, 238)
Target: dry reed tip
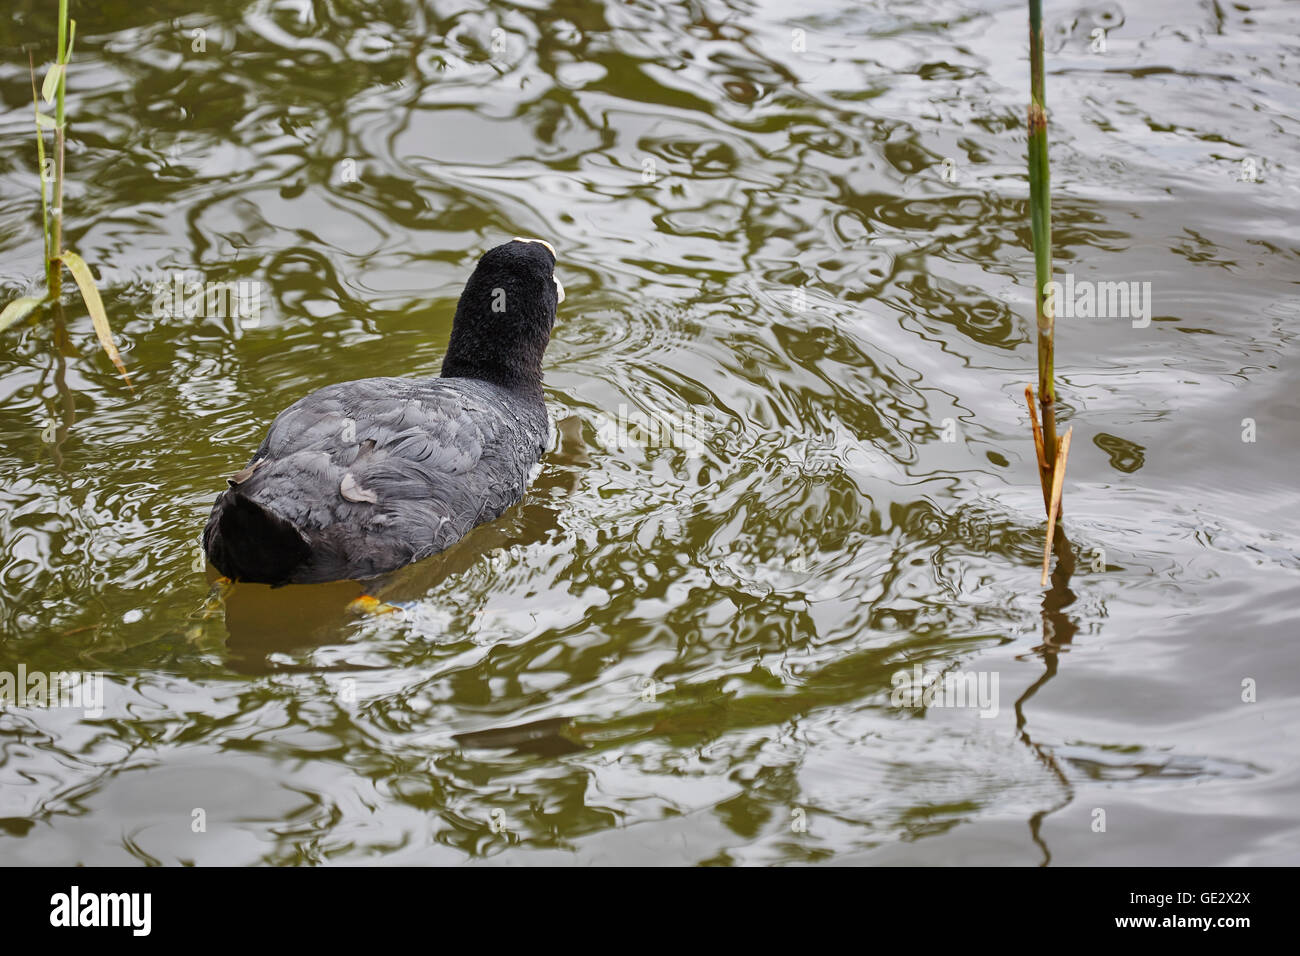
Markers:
point(1058, 487)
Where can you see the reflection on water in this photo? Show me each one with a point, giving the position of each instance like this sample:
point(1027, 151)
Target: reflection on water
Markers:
point(801, 239)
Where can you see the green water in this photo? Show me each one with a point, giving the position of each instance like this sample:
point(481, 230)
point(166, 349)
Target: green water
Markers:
point(682, 646)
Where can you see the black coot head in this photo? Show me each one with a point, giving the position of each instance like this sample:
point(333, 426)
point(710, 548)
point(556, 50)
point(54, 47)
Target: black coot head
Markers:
point(504, 317)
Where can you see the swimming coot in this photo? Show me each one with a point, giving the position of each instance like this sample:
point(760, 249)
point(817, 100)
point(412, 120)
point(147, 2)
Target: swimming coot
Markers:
point(360, 478)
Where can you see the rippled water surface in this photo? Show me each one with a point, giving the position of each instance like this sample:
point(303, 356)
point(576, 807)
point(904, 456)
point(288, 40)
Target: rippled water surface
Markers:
point(808, 254)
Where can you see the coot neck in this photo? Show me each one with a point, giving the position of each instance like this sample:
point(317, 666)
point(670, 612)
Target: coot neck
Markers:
point(523, 382)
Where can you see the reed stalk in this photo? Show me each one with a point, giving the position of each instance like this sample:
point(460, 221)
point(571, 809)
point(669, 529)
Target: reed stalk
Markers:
point(40, 159)
point(1040, 219)
point(55, 275)
point(54, 90)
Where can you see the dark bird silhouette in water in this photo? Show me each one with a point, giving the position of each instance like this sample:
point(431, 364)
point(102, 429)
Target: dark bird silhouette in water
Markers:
point(361, 478)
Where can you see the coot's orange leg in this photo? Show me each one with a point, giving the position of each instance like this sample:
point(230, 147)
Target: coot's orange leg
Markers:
point(366, 604)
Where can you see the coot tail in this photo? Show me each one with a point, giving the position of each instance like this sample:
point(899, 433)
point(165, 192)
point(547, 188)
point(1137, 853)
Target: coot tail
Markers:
point(280, 547)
